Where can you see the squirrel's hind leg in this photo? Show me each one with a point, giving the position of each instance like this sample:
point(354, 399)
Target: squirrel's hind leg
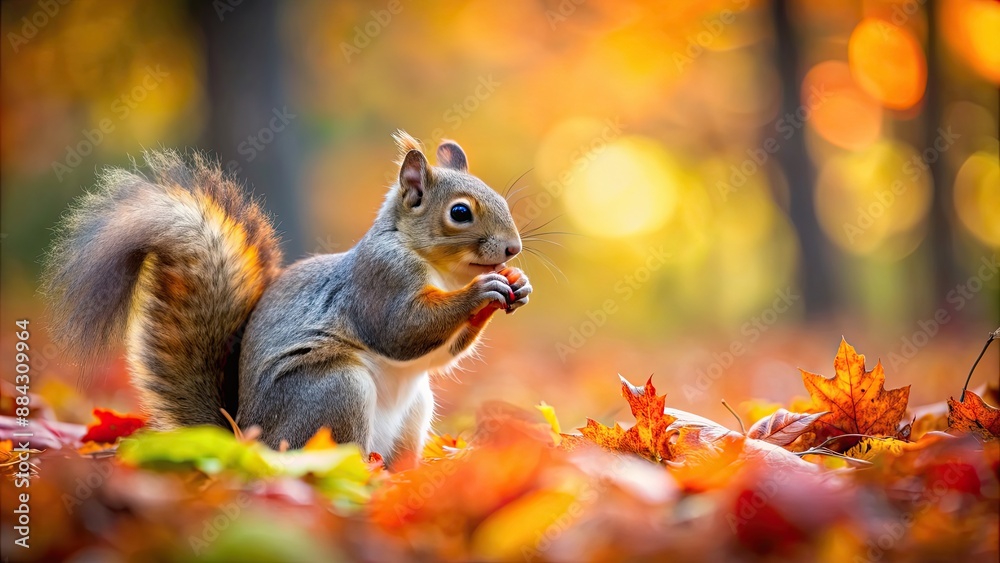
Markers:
point(300, 403)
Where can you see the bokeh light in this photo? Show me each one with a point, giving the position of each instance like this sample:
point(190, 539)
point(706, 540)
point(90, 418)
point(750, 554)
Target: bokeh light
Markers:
point(629, 188)
point(888, 63)
point(977, 196)
point(873, 200)
point(846, 116)
point(971, 30)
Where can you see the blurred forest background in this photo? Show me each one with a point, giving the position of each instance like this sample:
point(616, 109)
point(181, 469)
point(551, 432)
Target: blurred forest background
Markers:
point(742, 182)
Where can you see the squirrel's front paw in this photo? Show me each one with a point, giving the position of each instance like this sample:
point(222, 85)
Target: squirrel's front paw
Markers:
point(493, 290)
point(519, 284)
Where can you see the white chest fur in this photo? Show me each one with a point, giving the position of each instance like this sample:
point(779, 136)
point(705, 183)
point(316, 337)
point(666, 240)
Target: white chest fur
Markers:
point(404, 402)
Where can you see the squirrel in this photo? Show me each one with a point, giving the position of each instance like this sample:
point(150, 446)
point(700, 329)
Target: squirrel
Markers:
point(186, 268)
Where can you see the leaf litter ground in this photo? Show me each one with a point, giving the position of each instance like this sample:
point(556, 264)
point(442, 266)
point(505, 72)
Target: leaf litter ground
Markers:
point(844, 476)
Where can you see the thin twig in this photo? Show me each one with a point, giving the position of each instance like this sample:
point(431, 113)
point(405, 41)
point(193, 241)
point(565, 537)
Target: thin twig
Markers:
point(993, 336)
point(743, 429)
point(835, 438)
point(828, 452)
point(236, 428)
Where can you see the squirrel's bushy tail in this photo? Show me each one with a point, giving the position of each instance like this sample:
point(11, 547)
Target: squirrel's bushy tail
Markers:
point(173, 262)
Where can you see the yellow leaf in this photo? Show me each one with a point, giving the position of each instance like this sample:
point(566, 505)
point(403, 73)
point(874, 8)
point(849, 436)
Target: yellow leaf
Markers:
point(321, 440)
point(870, 448)
point(756, 409)
point(443, 446)
point(550, 416)
point(513, 531)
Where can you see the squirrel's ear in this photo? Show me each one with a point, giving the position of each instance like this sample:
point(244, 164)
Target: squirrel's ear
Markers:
point(450, 155)
point(413, 178)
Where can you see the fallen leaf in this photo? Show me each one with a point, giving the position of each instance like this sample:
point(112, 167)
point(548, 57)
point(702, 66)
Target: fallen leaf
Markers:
point(856, 400)
point(676, 437)
point(445, 445)
point(769, 514)
point(340, 472)
point(975, 416)
point(504, 534)
point(870, 448)
point(508, 462)
point(321, 440)
point(701, 465)
point(209, 449)
point(46, 434)
point(992, 393)
point(954, 475)
point(111, 426)
point(493, 415)
point(550, 416)
point(376, 462)
point(929, 422)
point(570, 442)
point(648, 437)
point(6, 450)
point(782, 427)
point(756, 409)
point(96, 448)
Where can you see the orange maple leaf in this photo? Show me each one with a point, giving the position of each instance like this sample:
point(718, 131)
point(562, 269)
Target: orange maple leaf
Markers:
point(857, 400)
point(975, 416)
point(648, 437)
point(110, 426)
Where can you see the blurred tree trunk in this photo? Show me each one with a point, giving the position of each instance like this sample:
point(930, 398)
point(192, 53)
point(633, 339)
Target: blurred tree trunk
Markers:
point(250, 125)
point(942, 252)
point(794, 161)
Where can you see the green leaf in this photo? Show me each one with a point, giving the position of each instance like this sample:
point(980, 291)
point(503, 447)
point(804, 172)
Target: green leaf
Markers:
point(208, 449)
point(339, 473)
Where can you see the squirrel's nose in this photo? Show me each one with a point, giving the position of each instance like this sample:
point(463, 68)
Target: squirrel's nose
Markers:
point(513, 249)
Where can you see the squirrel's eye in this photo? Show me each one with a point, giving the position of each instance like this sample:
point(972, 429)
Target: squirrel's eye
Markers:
point(460, 213)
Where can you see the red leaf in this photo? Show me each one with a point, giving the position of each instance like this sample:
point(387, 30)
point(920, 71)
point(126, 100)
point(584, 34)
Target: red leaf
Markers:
point(974, 416)
point(111, 426)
